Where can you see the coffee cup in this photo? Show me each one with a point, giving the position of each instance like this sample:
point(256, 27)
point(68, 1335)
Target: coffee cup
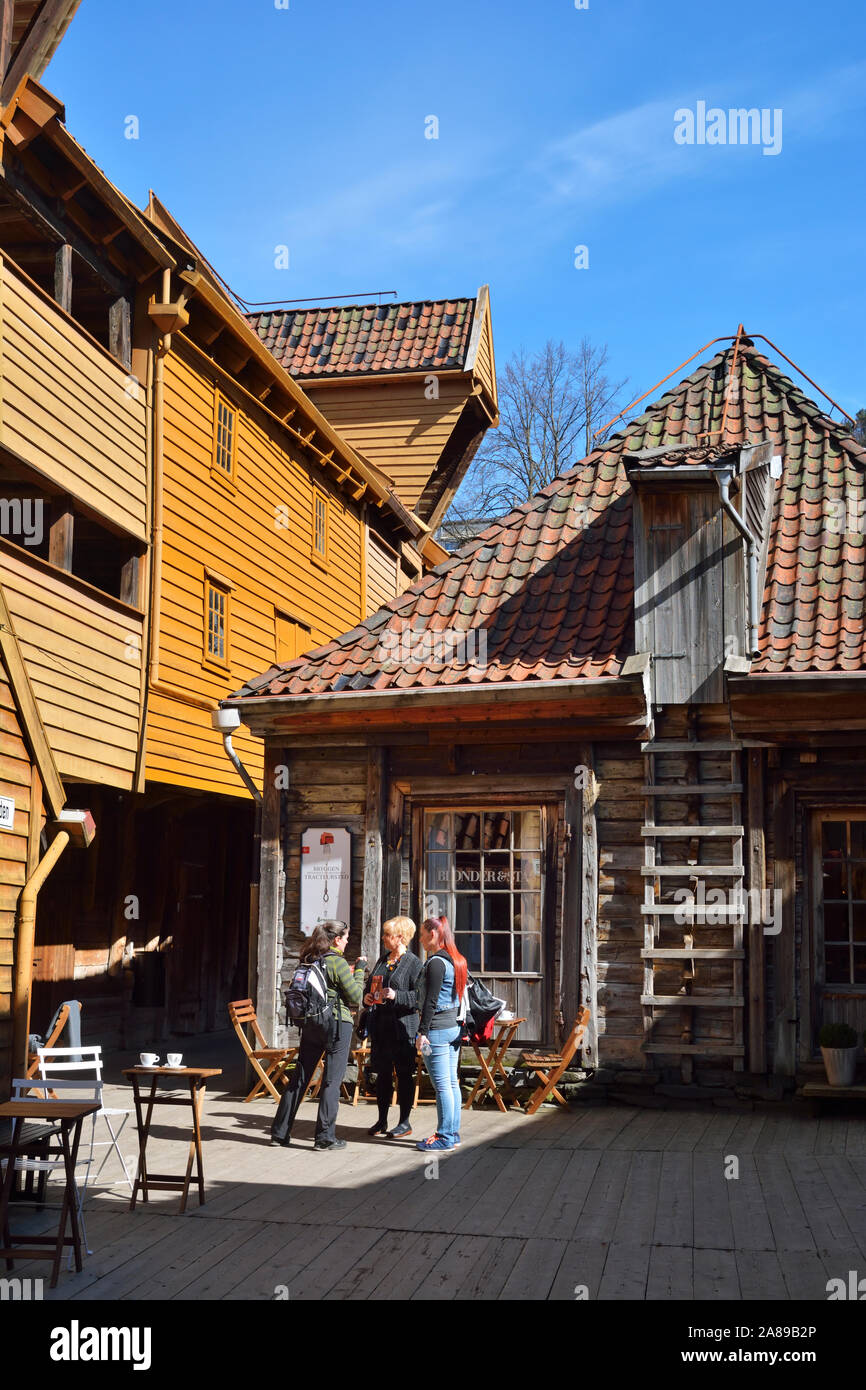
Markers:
point(175, 1059)
point(149, 1059)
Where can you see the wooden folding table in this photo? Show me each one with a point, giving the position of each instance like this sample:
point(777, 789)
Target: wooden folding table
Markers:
point(197, 1079)
point(491, 1065)
point(51, 1117)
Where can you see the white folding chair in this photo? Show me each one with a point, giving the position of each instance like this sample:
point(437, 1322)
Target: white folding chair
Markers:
point(53, 1161)
point(57, 1064)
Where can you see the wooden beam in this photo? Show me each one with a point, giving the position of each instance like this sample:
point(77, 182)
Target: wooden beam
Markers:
point(270, 928)
point(785, 873)
point(61, 534)
point(393, 848)
point(53, 790)
point(130, 581)
point(63, 277)
point(757, 869)
point(37, 42)
point(7, 16)
point(374, 830)
point(589, 911)
point(120, 331)
point(55, 226)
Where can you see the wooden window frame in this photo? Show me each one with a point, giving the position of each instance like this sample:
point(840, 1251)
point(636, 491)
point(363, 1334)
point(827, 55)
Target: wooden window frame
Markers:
point(843, 812)
point(217, 583)
point(226, 476)
point(317, 557)
point(430, 805)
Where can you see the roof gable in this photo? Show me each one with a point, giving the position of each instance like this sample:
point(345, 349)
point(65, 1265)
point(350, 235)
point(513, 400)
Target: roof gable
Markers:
point(551, 585)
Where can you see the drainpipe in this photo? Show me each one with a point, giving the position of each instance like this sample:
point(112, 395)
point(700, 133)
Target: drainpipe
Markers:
point(225, 721)
point(79, 827)
point(162, 352)
point(724, 478)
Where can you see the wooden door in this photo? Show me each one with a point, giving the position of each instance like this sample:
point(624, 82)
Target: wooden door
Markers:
point(837, 925)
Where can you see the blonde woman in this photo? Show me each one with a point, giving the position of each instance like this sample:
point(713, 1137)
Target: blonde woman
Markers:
point(394, 1023)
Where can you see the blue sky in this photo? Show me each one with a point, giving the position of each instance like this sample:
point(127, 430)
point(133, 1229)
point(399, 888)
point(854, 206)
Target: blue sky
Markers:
point(304, 127)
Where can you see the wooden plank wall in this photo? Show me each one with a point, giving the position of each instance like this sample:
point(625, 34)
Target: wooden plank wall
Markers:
point(235, 532)
point(484, 367)
point(16, 781)
point(382, 573)
point(83, 653)
point(68, 408)
point(394, 425)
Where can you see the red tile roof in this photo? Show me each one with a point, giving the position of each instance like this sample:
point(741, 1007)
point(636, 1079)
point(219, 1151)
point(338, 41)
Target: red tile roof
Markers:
point(551, 585)
point(360, 339)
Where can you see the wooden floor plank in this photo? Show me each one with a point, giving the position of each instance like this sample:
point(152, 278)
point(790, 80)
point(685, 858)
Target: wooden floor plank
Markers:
point(830, 1229)
point(454, 1267)
point(625, 1271)
point(784, 1208)
point(601, 1208)
point(490, 1214)
point(715, 1275)
point(580, 1271)
point(748, 1209)
point(804, 1274)
point(712, 1218)
point(534, 1270)
point(338, 1260)
point(674, 1218)
point(637, 1213)
point(671, 1274)
point(523, 1216)
point(566, 1201)
point(760, 1276)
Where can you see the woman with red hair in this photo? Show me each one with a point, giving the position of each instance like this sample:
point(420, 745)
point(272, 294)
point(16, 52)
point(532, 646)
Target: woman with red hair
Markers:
point(444, 987)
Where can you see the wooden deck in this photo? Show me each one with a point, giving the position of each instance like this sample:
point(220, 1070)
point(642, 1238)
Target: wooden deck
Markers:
point(631, 1203)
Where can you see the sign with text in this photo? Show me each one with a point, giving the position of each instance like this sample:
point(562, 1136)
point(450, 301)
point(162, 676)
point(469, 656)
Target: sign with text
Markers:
point(7, 812)
point(326, 876)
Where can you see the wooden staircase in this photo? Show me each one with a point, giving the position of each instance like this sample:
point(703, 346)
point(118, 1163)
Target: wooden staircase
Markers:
point(700, 853)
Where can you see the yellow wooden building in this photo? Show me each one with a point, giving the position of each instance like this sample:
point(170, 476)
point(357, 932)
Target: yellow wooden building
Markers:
point(177, 514)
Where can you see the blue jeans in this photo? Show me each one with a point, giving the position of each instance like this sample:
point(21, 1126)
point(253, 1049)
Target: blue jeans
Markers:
point(441, 1064)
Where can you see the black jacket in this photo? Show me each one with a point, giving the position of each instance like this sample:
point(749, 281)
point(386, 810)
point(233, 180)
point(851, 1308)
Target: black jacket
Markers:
point(395, 1023)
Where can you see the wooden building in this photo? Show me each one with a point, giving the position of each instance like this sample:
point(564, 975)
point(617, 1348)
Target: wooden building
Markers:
point(619, 739)
point(411, 386)
point(73, 510)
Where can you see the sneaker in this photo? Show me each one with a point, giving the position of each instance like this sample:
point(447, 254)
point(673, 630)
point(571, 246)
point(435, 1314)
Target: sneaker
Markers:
point(330, 1144)
point(281, 1143)
point(400, 1131)
point(434, 1142)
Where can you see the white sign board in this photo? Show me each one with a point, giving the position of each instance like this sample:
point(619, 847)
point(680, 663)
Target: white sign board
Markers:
point(7, 812)
point(326, 877)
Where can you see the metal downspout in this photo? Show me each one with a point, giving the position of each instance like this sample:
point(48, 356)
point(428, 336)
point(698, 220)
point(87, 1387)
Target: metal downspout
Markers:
point(724, 477)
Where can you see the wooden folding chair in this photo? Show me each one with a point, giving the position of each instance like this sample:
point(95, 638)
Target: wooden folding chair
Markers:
point(549, 1066)
point(270, 1064)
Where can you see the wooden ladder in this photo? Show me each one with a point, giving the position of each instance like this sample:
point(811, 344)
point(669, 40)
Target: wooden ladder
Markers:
point(662, 877)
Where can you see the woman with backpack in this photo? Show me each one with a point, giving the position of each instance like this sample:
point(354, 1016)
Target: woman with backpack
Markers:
point(393, 1023)
point(440, 1029)
point(334, 1038)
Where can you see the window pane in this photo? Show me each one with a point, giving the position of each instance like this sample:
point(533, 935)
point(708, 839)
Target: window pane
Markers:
point(857, 880)
point(497, 952)
point(527, 830)
point(497, 871)
point(858, 839)
point(834, 838)
point(438, 830)
point(527, 871)
point(838, 967)
point(860, 965)
point(858, 913)
point(497, 912)
point(467, 830)
point(467, 871)
point(835, 921)
point(467, 912)
point(527, 912)
point(835, 878)
point(439, 905)
point(469, 945)
point(439, 873)
point(497, 829)
point(527, 954)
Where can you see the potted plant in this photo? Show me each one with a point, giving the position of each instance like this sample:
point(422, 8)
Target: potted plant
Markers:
point(838, 1044)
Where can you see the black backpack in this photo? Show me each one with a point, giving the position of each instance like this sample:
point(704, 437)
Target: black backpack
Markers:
point(308, 999)
point(482, 1009)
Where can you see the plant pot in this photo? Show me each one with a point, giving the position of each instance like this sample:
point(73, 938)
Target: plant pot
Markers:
point(840, 1064)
